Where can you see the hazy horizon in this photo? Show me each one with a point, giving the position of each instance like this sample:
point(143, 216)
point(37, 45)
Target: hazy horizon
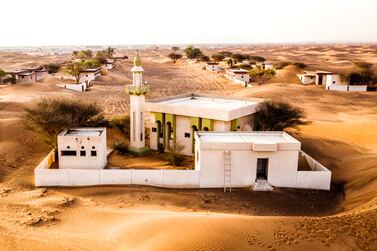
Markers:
point(70, 23)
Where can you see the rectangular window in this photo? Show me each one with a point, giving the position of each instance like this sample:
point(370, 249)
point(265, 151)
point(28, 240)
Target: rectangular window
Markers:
point(187, 135)
point(93, 153)
point(134, 126)
point(68, 153)
point(154, 129)
point(82, 153)
point(141, 124)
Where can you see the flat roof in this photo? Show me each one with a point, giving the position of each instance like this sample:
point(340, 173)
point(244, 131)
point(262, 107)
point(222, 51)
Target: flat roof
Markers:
point(247, 137)
point(205, 106)
point(237, 71)
point(83, 131)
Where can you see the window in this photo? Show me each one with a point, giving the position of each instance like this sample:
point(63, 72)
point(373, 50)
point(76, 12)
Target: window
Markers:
point(187, 135)
point(93, 147)
point(68, 147)
point(82, 147)
point(154, 129)
point(68, 153)
point(134, 126)
point(82, 153)
point(93, 153)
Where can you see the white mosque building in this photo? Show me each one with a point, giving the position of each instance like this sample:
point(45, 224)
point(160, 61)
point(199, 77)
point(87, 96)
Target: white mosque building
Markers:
point(227, 152)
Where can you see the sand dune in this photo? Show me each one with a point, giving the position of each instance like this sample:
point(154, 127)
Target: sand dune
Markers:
point(342, 134)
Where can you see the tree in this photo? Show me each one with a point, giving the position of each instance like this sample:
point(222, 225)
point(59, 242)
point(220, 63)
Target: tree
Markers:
point(204, 58)
point(102, 60)
point(110, 51)
point(192, 52)
point(257, 58)
point(225, 53)
point(49, 116)
point(230, 62)
point(91, 64)
point(300, 65)
point(175, 156)
point(361, 75)
point(217, 57)
point(75, 69)
point(175, 48)
point(277, 116)
point(174, 56)
point(261, 76)
point(82, 54)
point(52, 67)
point(281, 65)
point(2, 74)
point(239, 57)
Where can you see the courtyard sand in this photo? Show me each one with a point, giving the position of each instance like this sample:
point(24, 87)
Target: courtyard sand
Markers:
point(342, 135)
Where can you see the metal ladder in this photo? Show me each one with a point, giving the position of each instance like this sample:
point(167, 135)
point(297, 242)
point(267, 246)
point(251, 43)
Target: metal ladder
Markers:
point(227, 171)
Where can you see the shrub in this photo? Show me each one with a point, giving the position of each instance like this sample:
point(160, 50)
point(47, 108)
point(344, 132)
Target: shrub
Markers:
point(281, 65)
point(92, 64)
point(160, 148)
point(175, 156)
point(174, 56)
point(239, 57)
point(204, 58)
point(11, 80)
point(261, 76)
point(122, 123)
point(225, 53)
point(217, 57)
point(257, 58)
point(52, 67)
point(120, 147)
point(277, 116)
point(102, 60)
point(49, 116)
point(300, 65)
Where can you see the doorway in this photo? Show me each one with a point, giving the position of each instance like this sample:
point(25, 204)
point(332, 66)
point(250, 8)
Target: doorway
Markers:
point(320, 80)
point(262, 168)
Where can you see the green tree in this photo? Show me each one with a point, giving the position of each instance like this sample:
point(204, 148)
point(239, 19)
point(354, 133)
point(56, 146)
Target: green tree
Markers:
point(2, 74)
point(204, 58)
point(300, 65)
point(52, 67)
point(257, 58)
point(174, 56)
point(230, 62)
point(82, 54)
point(110, 51)
point(49, 116)
point(277, 116)
point(217, 57)
point(361, 75)
point(225, 53)
point(239, 57)
point(91, 64)
point(75, 69)
point(175, 48)
point(193, 53)
point(261, 76)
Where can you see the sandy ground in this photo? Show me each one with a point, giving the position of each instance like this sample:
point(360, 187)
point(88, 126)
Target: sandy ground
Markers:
point(342, 134)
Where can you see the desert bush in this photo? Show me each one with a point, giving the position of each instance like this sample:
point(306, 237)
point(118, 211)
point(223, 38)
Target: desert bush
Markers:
point(175, 156)
point(244, 66)
point(300, 65)
point(239, 57)
point(102, 60)
point(174, 56)
point(277, 116)
point(123, 124)
point(281, 65)
point(217, 57)
point(92, 63)
point(193, 53)
point(49, 116)
point(120, 147)
point(257, 58)
point(52, 67)
point(160, 148)
point(11, 80)
point(261, 76)
point(226, 53)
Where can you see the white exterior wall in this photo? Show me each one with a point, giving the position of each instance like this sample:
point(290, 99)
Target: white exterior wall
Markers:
point(75, 87)
point(212, 67)
point(40, 75)
point(28, 78)
point(137, 121)
point(306, 80)
point(183, 125)
point(221, 126)
point(75, 142)
point(152, 135)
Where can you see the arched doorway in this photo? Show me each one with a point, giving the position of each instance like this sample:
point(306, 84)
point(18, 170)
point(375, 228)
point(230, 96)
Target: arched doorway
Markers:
point(194, 129)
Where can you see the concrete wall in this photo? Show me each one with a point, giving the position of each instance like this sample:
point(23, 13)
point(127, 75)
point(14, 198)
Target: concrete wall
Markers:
point(345, 88)
point(318, 178)
point(82, 177)
point(75, 87)
point(183, 125)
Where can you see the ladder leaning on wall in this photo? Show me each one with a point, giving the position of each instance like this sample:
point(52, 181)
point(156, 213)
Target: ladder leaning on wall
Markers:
point(227, 171)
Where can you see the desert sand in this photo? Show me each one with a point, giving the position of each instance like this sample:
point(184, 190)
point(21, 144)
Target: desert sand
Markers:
point(341, 134)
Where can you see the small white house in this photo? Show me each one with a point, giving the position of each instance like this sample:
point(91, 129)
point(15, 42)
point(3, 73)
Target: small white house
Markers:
point(261, 159)
point(265, 65)
point(175, 119)
point(317, 77)
point(212, 66)
point(82, 148)
point(238, 76)
point(90, 74)
point(109, 65)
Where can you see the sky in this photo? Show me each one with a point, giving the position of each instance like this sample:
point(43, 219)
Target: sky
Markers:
point(116, 22)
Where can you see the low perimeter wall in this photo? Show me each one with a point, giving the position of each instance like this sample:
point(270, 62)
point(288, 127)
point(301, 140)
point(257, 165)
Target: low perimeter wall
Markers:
point(351, 88)
point(318, 178)
point(81, 177)
point(74, 87)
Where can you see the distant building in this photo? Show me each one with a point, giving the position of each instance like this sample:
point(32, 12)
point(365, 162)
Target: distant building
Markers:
point(175, 119)
point(266, 65)
point(212, 66)
point(90, 74)
point(82, 148)
point(317, 77)
point(109, 66)
point(27, 75)
point(238, 76)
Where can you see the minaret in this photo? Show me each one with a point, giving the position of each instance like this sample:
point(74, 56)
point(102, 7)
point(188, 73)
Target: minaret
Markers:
point(137, 99)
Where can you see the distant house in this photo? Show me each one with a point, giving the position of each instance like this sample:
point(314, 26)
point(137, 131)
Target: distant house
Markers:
point(212, 66)
point(90, 74)
point(109, 66)
point(264, 65)
point(238, 76)
point(82, 148)
point(27, 75)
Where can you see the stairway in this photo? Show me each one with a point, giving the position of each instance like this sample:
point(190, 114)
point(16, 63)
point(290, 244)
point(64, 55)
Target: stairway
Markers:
point(227, 171)
point(262, 185)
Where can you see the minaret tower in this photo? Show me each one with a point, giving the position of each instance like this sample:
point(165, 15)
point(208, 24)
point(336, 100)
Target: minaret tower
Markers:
point(137, 92)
